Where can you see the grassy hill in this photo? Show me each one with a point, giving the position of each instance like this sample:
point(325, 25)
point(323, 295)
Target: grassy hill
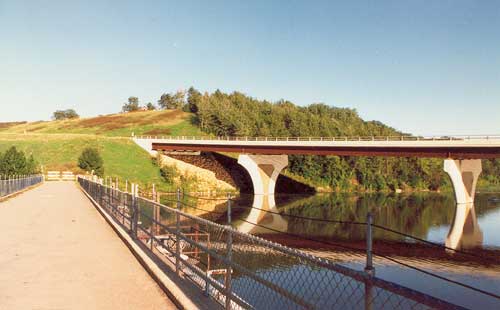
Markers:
point(170, 122)
point(58, 144)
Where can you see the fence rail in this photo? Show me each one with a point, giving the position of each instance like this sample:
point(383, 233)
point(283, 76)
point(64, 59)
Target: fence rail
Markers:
point(13, 184)
point(242, 271)
point(333, 139)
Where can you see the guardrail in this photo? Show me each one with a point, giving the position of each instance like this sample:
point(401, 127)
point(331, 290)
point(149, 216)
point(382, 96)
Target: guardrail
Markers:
point(242, 271)
point(339, 139)
point(13, 184)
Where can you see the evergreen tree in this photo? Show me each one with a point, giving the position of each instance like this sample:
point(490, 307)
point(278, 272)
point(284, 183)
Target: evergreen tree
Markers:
point(91, 161)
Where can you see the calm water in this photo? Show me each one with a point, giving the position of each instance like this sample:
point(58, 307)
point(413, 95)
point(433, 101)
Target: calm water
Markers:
point(429, 216)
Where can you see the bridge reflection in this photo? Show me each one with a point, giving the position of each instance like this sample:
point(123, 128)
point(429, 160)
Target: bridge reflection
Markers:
point(419, 215)
point(464, 230)
point(259, 215)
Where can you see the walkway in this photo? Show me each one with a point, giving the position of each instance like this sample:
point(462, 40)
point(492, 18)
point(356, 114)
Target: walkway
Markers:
point(57, 252)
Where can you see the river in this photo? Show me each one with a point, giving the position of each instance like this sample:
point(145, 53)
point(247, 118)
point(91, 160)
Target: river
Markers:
point(474, 230)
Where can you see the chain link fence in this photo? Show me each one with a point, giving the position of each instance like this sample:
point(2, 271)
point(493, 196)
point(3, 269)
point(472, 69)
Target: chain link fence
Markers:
point(242, 271)
point(14, 184)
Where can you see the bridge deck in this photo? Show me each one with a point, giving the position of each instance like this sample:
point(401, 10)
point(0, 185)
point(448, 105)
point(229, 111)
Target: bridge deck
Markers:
point(57, 252)
point(452, 148)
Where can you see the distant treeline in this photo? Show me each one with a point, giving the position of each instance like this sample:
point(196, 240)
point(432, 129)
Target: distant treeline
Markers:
point(15, 163)
point(236, 114)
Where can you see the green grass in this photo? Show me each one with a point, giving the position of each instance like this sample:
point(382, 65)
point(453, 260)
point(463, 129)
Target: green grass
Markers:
point(122, 157)
point(56, 145)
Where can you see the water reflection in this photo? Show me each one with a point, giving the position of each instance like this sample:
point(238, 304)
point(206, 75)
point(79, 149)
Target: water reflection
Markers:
point(430, 216)
point(259, 214)
point(464, 230)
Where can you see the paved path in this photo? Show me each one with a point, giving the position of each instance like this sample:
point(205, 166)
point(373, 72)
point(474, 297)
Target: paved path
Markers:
point(57, 252)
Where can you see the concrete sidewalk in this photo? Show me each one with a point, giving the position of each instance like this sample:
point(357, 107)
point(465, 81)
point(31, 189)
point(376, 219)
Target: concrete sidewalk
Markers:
point(57, 252)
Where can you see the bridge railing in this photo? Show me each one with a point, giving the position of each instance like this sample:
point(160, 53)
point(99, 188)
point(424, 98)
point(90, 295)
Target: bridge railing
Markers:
point(12, 184)
point(332, 139)
point(243, 271)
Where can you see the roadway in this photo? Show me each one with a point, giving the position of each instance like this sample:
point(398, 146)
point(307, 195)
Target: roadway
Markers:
point(59, 253)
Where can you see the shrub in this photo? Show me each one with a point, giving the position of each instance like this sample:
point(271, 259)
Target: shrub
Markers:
point(168, 173)
point(91, 161)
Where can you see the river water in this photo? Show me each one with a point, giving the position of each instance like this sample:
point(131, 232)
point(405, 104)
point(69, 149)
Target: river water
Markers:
point(474, 230)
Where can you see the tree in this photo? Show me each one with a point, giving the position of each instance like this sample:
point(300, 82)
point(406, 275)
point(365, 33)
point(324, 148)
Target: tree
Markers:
point(172, 100)
point(65, 114)
point(150, 106)
point(14, 162)
point(132, 105)
point(90, 160)
point(193, 100)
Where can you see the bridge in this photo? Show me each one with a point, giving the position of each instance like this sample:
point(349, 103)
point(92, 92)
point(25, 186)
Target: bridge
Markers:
point(265, 157)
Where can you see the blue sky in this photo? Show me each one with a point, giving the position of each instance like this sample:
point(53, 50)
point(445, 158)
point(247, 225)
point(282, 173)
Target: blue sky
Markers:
point(425, 67)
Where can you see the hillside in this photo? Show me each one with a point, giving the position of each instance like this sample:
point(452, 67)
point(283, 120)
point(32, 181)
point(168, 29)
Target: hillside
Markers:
point(57, 144)
point(170, 122)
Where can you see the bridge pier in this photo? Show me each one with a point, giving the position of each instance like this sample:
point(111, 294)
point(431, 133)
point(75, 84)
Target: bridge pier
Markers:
point(463, 174)
point(264, 171)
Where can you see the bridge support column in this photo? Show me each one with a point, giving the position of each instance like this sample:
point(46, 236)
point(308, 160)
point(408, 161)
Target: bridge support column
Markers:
point(463, 174)
point(264, 171)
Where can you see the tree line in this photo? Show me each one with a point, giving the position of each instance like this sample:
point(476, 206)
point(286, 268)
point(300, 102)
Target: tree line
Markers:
point(236, 114)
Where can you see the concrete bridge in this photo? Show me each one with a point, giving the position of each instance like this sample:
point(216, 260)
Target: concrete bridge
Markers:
point(264, 158)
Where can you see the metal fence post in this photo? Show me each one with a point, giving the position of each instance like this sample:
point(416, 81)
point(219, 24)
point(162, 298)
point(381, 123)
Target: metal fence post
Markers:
point(369, 245)
point(178, 234)
point(229, 270)
point(229, 209)
point(135, 218)
point(368, 293)
point(99, 192)
point(110, 189)
point(369, 262)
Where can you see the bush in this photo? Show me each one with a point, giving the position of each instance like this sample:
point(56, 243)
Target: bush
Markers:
point(168, 173)
point(91, 161)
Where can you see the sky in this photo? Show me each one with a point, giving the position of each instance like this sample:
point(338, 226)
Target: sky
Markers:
point(423, 67)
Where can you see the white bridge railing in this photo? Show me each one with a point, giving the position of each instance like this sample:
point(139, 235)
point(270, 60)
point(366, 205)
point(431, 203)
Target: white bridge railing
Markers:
point(342, 138)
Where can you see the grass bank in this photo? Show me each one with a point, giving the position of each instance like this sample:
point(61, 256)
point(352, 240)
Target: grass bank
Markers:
point(122, 157)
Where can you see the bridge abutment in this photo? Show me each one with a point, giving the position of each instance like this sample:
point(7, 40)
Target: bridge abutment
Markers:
point(464, 174)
